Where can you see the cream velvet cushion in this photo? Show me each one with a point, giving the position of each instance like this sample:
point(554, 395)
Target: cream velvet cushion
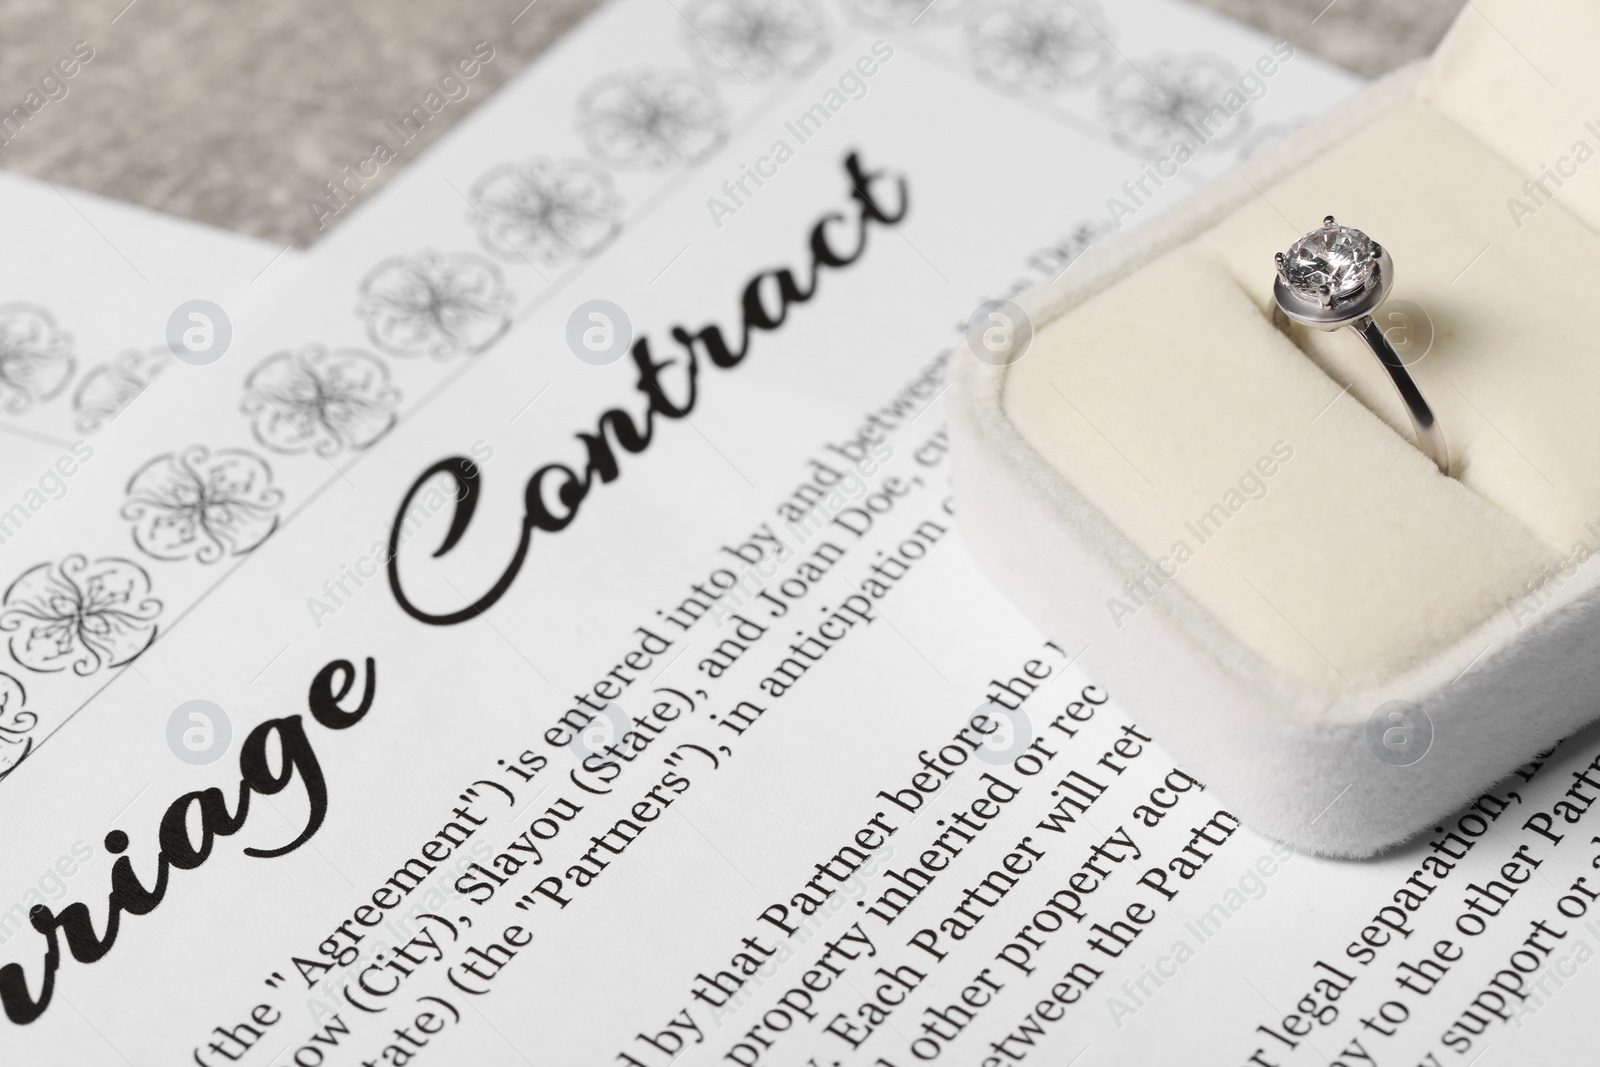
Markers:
point(1360, 560)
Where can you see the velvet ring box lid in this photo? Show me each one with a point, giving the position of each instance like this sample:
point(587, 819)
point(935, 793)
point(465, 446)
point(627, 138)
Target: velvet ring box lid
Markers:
point(1234, 526)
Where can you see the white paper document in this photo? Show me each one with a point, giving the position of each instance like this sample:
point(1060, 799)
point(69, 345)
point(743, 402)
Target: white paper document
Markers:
point(544, 636)
point(88, 288)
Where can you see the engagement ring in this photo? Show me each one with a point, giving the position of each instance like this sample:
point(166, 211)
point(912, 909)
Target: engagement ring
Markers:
point(1338, 276)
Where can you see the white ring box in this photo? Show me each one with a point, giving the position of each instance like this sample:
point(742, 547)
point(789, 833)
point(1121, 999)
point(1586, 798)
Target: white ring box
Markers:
point(1235, 528)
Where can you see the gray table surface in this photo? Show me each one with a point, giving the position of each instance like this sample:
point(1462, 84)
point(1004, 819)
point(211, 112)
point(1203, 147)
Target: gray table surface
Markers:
point(235, 112)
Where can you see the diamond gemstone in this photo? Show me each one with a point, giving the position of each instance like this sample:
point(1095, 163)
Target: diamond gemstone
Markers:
point(1337, 258)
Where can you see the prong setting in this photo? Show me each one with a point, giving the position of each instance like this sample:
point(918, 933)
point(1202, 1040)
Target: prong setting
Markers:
point(1332, 276)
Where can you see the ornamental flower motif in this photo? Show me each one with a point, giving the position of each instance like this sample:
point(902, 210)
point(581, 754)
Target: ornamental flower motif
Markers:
point(1036, 46)
point(109, 388)
point(318, 400)
point(1171, 99)
point(757, 40)
point(197, 505)
point(16, 724)
point(79, 614)
point(441, 306)
point(547, 210)
point(651, 118)
point(36, 359)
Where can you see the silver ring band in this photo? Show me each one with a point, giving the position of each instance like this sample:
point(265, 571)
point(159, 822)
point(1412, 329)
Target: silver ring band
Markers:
point(1337, 276)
